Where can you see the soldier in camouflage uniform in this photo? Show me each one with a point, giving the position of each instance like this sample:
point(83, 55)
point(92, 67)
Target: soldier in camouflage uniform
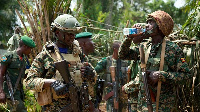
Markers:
point(13, 63)
point(104, 65)
point(175, 71)
point(44, 78)
point(87, 45)
point(13, 42)
point(133, 96)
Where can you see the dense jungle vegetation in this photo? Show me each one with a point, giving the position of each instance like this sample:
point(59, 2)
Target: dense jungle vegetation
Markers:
point(106, 19)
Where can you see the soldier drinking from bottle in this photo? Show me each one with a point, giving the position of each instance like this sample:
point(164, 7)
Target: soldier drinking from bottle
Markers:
point(164, 63)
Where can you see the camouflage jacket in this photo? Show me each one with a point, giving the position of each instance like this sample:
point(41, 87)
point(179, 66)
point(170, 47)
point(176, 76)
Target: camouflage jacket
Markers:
point(43, 68)
point(14, 66)
point(175, 69)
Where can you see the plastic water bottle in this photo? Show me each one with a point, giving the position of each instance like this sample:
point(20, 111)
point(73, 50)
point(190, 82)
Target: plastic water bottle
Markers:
point(128, 31)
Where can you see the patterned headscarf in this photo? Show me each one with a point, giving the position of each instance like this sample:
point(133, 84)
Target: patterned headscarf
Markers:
point(163, 20)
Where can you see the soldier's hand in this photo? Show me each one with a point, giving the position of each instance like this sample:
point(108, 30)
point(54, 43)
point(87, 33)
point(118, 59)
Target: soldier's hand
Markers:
point(60, 88)
point(153, 78)
point(138, 26)
point(83, 68)
point(2, 97)
point(123, 90)
point(87, 72)
point(91, 107)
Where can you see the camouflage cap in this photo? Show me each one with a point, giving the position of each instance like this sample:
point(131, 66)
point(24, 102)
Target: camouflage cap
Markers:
point(28, 41)
point(84, 35)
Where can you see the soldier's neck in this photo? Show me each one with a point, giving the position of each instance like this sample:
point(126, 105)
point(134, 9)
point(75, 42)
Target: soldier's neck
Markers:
point(19, 52)
point(115, 56)
point(61, 44)
point(157, 39)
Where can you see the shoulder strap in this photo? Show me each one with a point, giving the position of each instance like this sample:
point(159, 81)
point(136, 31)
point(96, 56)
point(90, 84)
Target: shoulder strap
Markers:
point(162, 55)
point(161, 69)
point(147, 54)
point(19, 77)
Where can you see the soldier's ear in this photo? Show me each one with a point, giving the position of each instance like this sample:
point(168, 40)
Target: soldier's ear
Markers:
point(57, 32)
point(84, 43)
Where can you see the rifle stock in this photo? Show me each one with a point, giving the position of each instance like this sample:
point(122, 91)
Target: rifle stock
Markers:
point(129, 79)
point(144, 75)
point(115, 87)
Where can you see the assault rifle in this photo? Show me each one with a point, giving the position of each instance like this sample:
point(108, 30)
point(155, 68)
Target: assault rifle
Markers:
point(84, 88)
point(129, 79)
point(115, 81)
point(99, 91)
point(144, 75)
point(63, 67)
point(11, 92)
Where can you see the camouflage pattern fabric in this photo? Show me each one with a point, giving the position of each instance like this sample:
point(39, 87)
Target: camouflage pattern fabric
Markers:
point(175, 72)
point(43, 68)
point(133, 96)
point(104, 65)
point(13, 42)
point(14, 65)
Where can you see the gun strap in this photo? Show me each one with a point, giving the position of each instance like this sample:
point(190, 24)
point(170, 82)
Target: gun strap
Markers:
point(19, 77)
point(147, 54)
point(161, 69)
point(162, 55)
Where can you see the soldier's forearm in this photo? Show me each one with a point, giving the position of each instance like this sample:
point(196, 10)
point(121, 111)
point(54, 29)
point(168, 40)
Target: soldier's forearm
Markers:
point(124, 48)
point(1, 85)
point(48, 82)
point(2, 73)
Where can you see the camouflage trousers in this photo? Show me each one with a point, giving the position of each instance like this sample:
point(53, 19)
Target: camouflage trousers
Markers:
point(133, 101)
point(162, 108)
point(166, 104)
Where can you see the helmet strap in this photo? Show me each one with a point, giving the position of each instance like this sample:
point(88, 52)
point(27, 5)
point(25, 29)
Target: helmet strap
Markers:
point(60, 41)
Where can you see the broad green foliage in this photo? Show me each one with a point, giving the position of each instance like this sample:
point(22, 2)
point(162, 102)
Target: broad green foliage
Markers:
point(30, 102)
point(192, 25)
point(7, 18)
point(107, 15)
point(178, 14)
point(102, 16)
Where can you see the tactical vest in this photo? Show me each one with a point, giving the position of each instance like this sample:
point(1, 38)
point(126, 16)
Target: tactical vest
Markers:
point(45, 97)
point(74, 69)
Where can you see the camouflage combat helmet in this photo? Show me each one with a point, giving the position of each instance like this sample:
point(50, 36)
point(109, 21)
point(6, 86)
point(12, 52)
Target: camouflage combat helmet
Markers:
point(163, 20)
point(66, 23)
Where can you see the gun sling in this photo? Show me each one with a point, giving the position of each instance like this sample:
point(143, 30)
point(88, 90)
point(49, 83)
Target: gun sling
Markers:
point(19, 77)
point(161, 68)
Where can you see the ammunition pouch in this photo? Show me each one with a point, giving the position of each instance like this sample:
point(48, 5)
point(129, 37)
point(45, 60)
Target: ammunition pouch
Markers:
point(44, 97)
point(60, 88)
